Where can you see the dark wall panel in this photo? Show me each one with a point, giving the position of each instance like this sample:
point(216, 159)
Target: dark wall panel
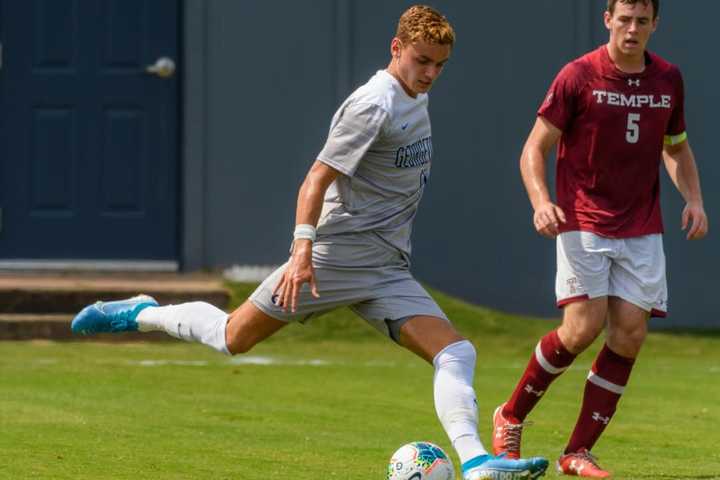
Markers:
point(270, 87)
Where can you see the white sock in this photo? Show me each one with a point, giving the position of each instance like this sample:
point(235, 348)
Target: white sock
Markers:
point(194, 321)
point(455, 401)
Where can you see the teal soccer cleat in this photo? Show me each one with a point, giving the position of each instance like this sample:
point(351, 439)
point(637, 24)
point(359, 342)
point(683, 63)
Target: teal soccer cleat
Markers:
point(111, 317)
point(487, 467)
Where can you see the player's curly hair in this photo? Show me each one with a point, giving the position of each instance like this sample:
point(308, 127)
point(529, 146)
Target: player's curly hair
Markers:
point(421, 22)
point(655, 4)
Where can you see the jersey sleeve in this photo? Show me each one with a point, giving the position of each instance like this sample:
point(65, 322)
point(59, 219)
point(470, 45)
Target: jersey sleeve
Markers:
point(676, 126)
point(560, 102)
point(351, 135)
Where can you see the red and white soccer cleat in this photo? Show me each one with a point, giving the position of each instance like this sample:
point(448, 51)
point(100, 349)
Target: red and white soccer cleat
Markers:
point(581, 464)
point(506, 435)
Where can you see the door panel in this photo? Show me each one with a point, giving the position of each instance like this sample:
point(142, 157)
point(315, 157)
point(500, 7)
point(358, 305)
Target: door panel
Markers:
point(89, 151)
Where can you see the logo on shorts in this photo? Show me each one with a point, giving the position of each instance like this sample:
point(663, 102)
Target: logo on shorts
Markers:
point(573, 284)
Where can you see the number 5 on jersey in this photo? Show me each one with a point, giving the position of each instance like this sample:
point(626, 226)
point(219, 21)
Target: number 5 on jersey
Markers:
point(633, 128)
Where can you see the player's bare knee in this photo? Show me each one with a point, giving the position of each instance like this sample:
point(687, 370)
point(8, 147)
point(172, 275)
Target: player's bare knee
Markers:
point(237, 346)
point(627, 339)
point(577, 337)
point(239, 349)
point(638, 334)
point(238, 338)
point(581, 340)
point(248, 326)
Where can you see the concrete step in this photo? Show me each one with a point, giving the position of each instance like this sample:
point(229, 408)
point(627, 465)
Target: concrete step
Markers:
point(32, 326)
point(68, 294)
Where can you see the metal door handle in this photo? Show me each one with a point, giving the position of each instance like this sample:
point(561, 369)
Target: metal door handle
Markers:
point(164, 67)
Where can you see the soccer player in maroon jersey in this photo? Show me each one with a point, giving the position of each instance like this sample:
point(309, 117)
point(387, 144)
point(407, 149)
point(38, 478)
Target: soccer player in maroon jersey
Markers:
point(614, 113)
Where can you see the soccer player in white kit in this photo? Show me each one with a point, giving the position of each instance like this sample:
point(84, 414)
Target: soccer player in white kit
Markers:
point(352, 246)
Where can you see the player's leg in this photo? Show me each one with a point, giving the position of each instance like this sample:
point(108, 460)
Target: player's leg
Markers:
point(248, 326)
point(581, 286)
point(627, 327)
point(637, 288)
point(406, 313)
point(582, 323)
point(426, 336)
point(435, 340)
point(255, 320)
point(259, 317)
point(193, 321)
point(200, 322)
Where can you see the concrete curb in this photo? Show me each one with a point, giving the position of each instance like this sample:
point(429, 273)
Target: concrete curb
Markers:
point(43, 306)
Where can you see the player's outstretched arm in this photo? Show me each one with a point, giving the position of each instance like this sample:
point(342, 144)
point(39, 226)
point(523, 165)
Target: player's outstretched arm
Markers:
point(680, 164)
point(542, 138)
point(309, 206)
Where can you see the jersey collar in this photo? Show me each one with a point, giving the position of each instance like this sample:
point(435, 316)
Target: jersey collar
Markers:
point(610, 70)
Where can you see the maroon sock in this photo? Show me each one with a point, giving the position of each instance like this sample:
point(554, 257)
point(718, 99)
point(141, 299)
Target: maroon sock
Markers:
point(548, 361)
point(603, 389)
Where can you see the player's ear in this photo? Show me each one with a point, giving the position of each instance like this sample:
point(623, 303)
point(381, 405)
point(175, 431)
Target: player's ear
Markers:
point(396, 47)
point(607, 17)
point(655, 24)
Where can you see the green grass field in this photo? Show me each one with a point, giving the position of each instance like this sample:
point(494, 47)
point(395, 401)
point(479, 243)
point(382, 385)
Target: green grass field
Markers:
point(329, 400)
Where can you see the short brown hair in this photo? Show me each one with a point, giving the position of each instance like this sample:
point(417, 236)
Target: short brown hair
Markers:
point(655, 4)
point(421, 22)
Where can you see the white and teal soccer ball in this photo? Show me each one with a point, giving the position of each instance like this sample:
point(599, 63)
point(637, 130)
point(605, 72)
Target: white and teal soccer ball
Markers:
point(420, 461)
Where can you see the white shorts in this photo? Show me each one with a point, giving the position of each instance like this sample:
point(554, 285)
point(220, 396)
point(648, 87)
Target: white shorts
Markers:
point(591, 266)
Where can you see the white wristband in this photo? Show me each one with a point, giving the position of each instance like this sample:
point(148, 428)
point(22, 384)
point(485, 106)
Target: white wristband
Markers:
point(306, 232)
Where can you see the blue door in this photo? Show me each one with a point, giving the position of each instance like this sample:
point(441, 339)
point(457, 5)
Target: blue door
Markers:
point(88, 133)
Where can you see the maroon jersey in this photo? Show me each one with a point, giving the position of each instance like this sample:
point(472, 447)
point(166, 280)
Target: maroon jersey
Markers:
point(614, 125)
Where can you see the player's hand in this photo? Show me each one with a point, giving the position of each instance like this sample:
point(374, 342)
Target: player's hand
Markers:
point(693, 215)
point(547, 219)
point(298, 271)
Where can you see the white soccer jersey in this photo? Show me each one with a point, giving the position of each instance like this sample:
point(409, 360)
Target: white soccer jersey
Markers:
point(380, 140)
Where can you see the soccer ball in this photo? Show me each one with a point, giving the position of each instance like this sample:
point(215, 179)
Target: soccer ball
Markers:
point(420, 461)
